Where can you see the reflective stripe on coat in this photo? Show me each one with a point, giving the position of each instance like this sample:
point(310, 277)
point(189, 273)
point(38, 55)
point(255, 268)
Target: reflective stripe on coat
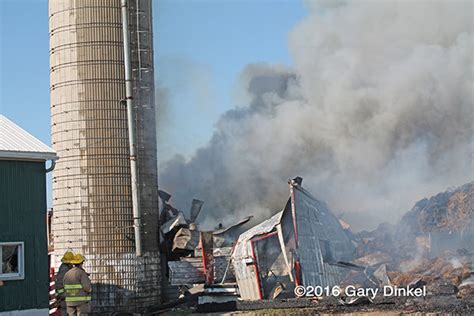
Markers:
point(77, 286)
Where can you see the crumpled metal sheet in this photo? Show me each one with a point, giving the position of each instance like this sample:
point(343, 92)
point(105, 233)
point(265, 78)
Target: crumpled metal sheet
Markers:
point(196, 207)
point(172, 223)
point(226, 236)
point(241, 249)
point(241, 222)
point(381, 275)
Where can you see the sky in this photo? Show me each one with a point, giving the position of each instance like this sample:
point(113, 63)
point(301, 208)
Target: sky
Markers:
point(200, 47)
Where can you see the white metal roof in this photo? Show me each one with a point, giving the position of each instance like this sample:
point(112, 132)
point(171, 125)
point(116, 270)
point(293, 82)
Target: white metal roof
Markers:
point(18, 144)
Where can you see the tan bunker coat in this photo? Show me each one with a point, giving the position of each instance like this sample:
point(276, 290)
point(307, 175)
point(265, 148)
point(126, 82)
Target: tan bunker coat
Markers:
point(77, 288)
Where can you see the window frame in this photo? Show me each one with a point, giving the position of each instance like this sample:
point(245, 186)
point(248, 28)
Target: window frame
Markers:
point(21, 261)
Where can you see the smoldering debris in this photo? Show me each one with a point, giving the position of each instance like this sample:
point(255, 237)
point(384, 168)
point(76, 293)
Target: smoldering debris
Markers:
point(430, 247)
point(399, 256)
point(441, 223)
point(189, 260)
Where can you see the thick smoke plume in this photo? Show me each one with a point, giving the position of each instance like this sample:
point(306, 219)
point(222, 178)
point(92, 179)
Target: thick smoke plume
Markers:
point(376, 114)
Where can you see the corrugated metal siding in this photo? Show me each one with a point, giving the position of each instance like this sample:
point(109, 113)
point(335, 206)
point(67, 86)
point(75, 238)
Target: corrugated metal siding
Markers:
point(186, 271)
point(191, 270)
point(242, 255)
point(246, 275)
point(91, 181)
point(314, 223)
point(23, 218)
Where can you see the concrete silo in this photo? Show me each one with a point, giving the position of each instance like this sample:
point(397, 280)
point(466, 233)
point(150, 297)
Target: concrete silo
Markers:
point(91, 182)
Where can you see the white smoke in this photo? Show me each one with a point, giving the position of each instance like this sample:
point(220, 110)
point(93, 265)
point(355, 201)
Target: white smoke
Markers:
point(376, 114)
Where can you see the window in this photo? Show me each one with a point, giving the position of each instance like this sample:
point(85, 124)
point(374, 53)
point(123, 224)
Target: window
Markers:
point(13, 265)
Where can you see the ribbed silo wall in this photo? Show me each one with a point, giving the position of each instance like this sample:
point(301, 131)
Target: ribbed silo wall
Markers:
point(91, 182)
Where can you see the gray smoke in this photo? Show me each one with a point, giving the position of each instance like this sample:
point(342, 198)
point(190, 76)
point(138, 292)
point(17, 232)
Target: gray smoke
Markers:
point(376, 114)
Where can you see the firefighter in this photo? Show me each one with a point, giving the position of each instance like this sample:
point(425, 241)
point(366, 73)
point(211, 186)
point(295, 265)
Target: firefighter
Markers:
point(77, 288)
point(65, 266)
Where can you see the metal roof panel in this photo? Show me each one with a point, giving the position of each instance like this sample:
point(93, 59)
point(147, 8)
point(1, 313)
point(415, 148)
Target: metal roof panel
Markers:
point(16, 143)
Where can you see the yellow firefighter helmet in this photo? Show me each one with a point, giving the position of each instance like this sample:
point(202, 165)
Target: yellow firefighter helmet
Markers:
point(67, 257)
point(78, 259)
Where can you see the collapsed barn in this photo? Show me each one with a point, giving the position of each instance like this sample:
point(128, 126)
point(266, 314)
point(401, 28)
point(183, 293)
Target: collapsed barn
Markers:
point(306, 244)
point(300, 245)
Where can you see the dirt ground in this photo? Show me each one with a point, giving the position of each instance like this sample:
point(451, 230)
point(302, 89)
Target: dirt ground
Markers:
point(433, 306)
